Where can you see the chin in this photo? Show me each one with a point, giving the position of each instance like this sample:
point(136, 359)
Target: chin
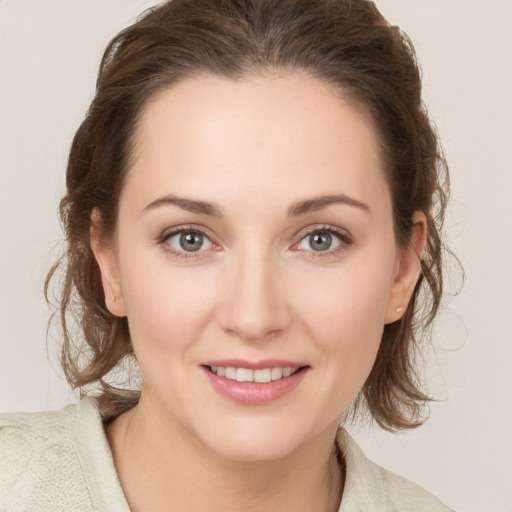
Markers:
point(249, 451)
point(257, 441)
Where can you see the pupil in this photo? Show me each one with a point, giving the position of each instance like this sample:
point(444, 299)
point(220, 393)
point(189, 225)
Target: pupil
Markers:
point(191, 241)
point(321, 241)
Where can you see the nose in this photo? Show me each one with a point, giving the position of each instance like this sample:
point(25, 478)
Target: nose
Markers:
point(254, 304)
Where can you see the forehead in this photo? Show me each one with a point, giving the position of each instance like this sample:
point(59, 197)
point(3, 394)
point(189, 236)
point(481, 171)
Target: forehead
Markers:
point(275, 136)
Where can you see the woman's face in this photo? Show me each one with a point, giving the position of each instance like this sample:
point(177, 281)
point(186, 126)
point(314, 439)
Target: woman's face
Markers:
point(255, 234)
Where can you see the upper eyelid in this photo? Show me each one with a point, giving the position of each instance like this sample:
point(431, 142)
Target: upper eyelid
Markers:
point(179, 229)
point(343, 233)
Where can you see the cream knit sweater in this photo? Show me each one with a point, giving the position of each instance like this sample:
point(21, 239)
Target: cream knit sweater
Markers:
point(61, 462)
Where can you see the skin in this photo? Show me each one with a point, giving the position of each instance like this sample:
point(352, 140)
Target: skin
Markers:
point(255, 290)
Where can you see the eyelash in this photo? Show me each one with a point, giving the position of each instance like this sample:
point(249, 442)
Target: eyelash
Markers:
point(343, 236)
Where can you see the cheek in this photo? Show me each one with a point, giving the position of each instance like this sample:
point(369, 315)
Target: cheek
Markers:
point(347, 301)
point(166, 308)
point(344, 314)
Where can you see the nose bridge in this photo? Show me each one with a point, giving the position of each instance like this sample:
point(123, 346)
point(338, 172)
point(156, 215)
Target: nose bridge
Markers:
point(254, 303)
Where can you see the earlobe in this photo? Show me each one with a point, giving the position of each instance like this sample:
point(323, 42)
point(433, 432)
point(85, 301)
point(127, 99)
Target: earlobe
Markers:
point(408, 270)
point(107, 262)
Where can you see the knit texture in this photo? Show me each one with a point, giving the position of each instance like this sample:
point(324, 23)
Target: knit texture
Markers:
point(58, 461)
point(61, 461)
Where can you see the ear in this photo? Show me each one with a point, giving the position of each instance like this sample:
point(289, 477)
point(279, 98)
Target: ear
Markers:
point(106, 257)
point(408, 270)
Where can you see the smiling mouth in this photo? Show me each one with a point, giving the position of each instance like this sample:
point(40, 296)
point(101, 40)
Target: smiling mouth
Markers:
point(263, 375)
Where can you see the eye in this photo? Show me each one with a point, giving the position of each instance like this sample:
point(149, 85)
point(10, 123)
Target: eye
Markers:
point(326, 240)
point(319, 241)
point(187, 240)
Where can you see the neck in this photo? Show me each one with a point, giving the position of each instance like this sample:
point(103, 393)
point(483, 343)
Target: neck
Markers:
point(163, 467)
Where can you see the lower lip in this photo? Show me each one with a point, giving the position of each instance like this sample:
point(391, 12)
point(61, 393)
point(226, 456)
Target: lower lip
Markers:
point(255, 393)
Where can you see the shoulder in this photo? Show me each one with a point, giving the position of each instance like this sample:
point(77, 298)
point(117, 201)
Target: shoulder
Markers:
point(37, 455)
point(374, 488)
point(35, 426)
point(46, 458)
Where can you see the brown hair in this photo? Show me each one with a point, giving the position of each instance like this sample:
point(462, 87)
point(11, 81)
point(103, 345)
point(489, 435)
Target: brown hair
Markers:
point(347, 43)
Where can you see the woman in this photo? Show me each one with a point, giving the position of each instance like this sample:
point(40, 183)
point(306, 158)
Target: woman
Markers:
point(253, 208)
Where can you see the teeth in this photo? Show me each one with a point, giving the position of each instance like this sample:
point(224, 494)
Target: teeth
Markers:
point(246, 375)
point(263, 375)
point(229, 373)
point(277, 373)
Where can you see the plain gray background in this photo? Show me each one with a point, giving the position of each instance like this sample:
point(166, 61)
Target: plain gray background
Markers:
point(49, 52)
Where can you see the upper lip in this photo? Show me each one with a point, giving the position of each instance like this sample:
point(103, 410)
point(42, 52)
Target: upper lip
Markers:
point(253, 365)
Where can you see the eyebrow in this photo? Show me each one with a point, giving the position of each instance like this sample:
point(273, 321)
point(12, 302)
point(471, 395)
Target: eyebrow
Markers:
point(318, 203)
point(191, 205)
point(296, 209)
